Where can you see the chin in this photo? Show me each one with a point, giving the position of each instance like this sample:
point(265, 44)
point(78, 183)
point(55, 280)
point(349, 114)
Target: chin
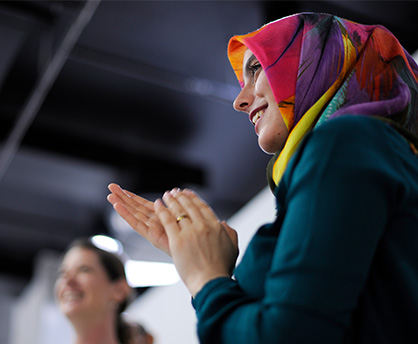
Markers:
point(70, 310)
point(266, 149)
point(271, 147)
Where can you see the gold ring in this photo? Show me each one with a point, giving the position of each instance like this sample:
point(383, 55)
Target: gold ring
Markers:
point(181, 217)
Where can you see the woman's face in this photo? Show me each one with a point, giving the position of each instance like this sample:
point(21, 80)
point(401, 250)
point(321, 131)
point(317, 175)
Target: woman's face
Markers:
point(257, 100)
point(83, 287)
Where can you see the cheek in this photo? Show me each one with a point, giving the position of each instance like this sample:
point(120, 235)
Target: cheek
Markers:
point(91, 284)
point(262, 86)
point(97, 288)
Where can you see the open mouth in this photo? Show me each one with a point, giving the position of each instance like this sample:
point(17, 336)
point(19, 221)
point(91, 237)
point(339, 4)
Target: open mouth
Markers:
point(257, 116)
point(71, 296)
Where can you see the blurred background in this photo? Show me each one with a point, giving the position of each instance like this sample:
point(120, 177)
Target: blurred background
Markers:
point(134, 92)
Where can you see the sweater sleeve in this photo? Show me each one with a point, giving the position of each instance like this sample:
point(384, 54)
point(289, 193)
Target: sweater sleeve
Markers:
point(333, 202)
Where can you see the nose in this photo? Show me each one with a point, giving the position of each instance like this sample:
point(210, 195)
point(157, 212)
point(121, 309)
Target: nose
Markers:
point(244, 100)
point(67, 278)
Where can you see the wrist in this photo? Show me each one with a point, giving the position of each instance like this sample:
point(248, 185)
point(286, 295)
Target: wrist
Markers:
point(196, 284)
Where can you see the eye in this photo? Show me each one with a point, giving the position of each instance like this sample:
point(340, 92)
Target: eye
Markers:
point(254, 68)
point(84, 268)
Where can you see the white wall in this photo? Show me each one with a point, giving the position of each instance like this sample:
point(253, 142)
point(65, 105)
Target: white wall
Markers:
point(10, 289)
point(165, 311)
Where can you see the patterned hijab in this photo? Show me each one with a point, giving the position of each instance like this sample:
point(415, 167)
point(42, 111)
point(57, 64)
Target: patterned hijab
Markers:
point(321, 67)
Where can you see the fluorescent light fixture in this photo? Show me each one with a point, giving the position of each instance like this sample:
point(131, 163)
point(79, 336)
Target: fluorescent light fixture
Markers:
point(108, 244)
point(150, 274)
point(138, 273)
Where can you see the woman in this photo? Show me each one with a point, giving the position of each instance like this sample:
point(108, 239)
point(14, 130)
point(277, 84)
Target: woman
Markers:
point(92, 291)
point(335, 102)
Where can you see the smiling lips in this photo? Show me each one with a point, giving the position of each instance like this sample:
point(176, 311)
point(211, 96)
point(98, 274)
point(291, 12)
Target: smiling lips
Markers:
point(70, 296)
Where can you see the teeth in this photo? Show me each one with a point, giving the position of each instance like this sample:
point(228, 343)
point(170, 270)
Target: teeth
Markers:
point(257, 116)
point(71, 296)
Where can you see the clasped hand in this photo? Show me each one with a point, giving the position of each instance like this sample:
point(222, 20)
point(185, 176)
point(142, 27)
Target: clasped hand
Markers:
point(202, 247)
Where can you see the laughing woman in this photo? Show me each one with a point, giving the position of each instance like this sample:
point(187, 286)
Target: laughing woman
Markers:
point(91, 291)
point(335, 103)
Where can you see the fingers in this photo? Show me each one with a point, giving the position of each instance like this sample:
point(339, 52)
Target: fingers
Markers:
point(140, 207)
point(167, 219)
point(175, 208)
point(134, 210)
point(118, 191)
point(128, 217)
point(204, 209)
point(136, 221)
point(129, 199)
point(187, 202)
point(178, 204)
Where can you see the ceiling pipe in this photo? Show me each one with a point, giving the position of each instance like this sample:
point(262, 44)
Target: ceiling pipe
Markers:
point(43, 85)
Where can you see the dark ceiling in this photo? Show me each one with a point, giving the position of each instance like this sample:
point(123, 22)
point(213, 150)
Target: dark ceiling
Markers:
point(136, 92)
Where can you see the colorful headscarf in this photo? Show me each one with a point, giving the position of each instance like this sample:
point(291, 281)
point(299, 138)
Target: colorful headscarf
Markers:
point(320, 66)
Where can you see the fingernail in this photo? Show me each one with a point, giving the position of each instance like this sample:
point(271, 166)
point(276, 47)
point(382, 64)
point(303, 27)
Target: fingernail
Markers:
point(175, 191)
point(167, 194)
point(125, 193)
point(158, 203)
